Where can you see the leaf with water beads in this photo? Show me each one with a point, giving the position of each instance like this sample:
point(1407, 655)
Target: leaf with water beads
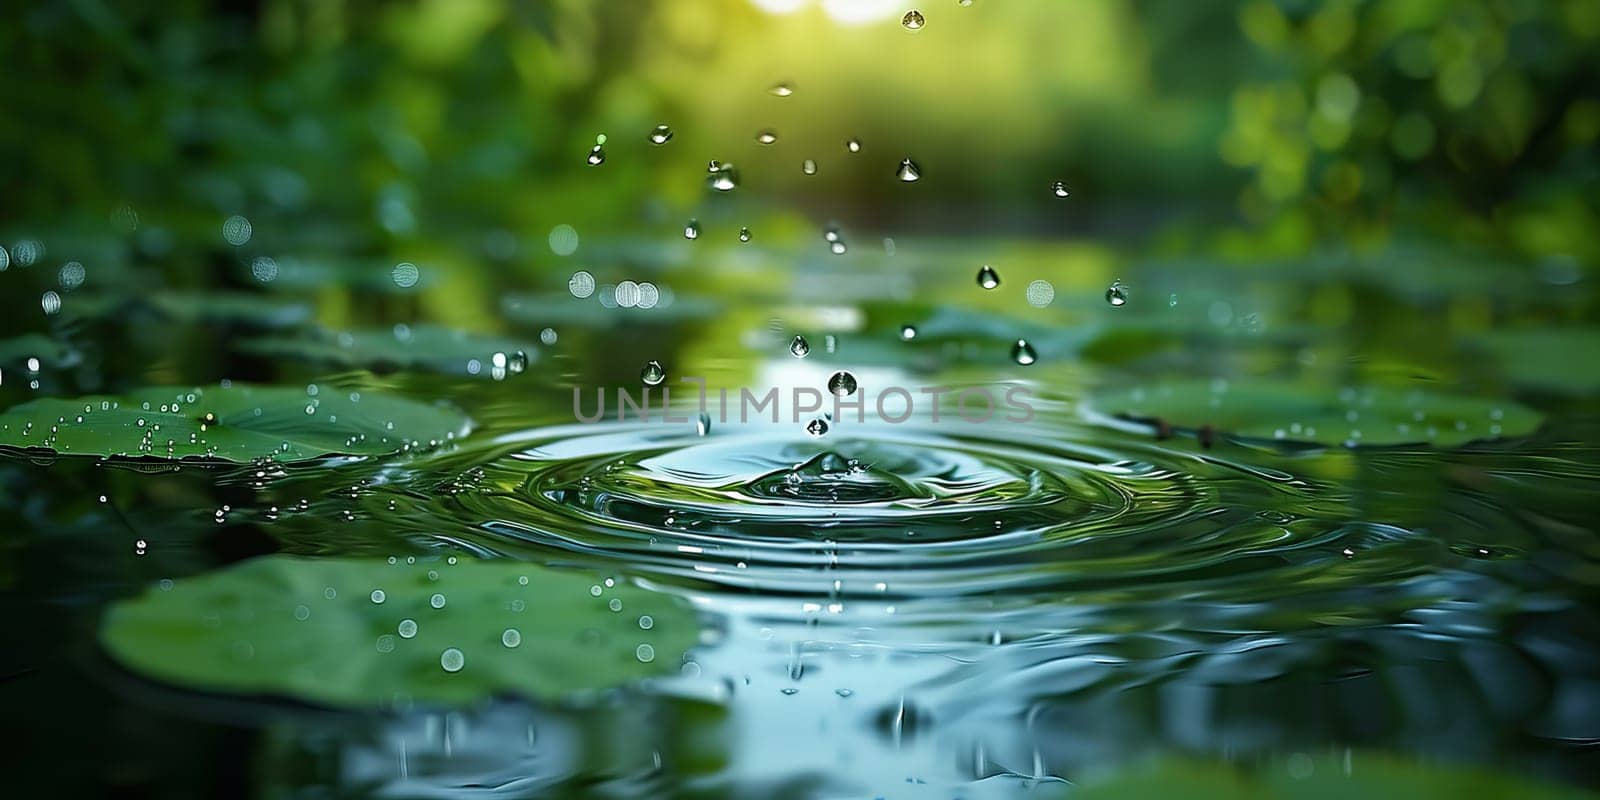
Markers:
point(238, 423)
point(314, 630)
point(432, 347)
point(1318, 414)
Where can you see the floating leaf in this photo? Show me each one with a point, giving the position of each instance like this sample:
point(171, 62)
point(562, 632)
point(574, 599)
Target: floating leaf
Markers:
point(1266, 409)
point(423, 346)
point(243, 307)
point(235, 423)
point(363, 632)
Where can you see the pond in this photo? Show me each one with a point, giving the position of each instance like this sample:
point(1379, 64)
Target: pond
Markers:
point(306, 491)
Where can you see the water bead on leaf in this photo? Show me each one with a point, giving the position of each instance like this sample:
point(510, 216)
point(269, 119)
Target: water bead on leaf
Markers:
point(767, 136)
point(907, 333)
point(781, 90)
point(853, 145)
point(988, 278)
point(597, 156)
point(744, 234)
point(452, 660)
point(691, 231)
point(660, 135)
point(722, 177)
point(808, 167)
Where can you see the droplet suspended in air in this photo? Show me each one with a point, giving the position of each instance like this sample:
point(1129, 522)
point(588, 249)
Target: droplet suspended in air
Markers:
point(50, 302)
point(831, 233)
point(1023, 353)
point(702, 424)
point(581, 284)
point(236, 230)
point(908, 172)
point(597, 156)
point(842, 384)
point(838, 248)
point(800, 347)
point(809, 167)
point(853, 145)
point(1059, 189)
point(264, 269)
point(912, 20)
point(653, 373)
point(692, 230)
point(781, 90)
point(744, 234)
point(1041, 294)
point(907, 333)
point(661, 135)
point(817, 427)
point(1116, 295)
point(452, 660)
point(767, 136)
point(406, 274)
point(988, 278)
point(722, 177)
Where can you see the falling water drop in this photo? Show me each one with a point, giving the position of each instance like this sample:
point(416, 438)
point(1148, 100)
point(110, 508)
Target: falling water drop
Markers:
point(988, 278)
point(907, 333)
point(912, 20)
point(692, 230)
point(908, 171)
point(838, 248)
point(800, 347)
point(1116, 295)
point(853, 145)
point(661, 135)
point(722, 177)
point(50, 302)
point(1023, 353)
point(653, 373)
point(744, 234)
point(842, 384)
point(597, 156)
point(702, 424)
point(1059, 189)
point(817, 427)
point(808, 167)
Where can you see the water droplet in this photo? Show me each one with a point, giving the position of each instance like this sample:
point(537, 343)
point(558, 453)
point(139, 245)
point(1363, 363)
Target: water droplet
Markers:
point(781, 90)
point(50, 302)
point(988, 278)
point(1041, 294)
point(236, 230)
point(437, 600)
point(452, 660)
point(702, 424)
point(661, 135)
point(838, 248)
point(581, 284)
point(722, 177)
point(800, 347)
point(908, 172)
point(1023, 353)
point(1116, 295)
point(912, 20)
point(407, 628)
point(378, 596)
point(71, 275)
point(907, 333)
point(653, 373)
point(563, 240)
point(767, 136)
point(842, 384)
point(597, 156)
point(406, 274)
point(645, 653)
point(808, 167)
point(744, 234)
point(124, 219)
point(691, 231)
point(853, 145)
point(1059, 189)
point(511, 637)
point(817, 427)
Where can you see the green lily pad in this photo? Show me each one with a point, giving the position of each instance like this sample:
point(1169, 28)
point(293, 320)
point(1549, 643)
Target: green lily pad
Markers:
point(1266, 409)
point(334, 630)
point(1552, 359)
point(1366, 775)
point(243, 307)
point(424, 346)
point(237, 423)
